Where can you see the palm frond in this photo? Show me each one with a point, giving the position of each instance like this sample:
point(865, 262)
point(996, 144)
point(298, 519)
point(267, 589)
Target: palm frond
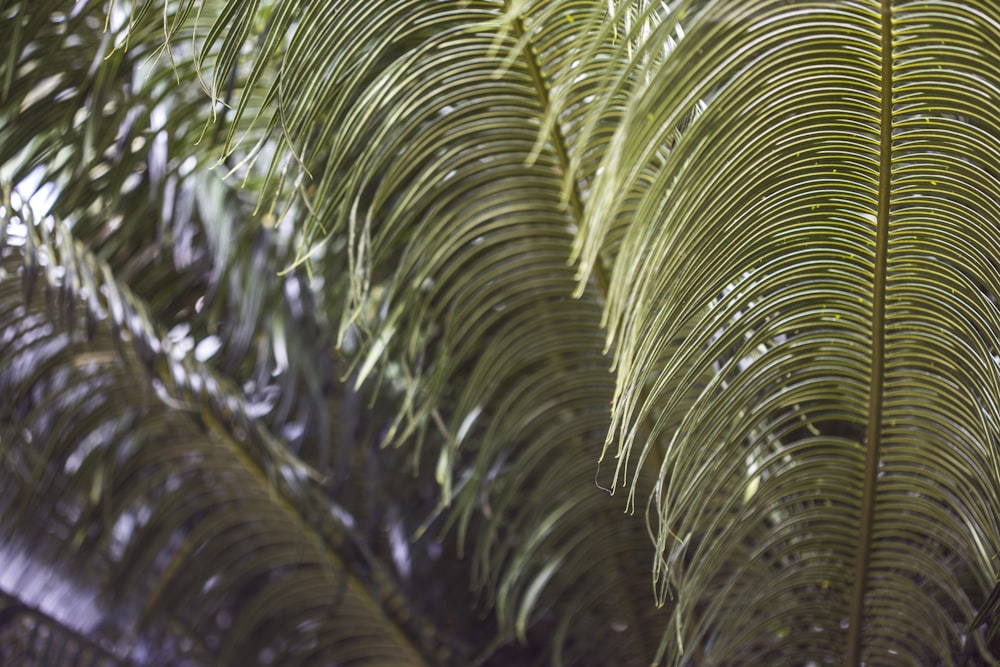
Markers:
point(196, 527)
point(148, 198)
point(32, 638)
point(419, 129)
point(759, 237)
point(201, 268)
point(822, 237)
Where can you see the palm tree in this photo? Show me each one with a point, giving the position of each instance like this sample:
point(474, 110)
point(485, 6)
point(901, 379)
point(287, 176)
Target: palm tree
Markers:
point(326, 328)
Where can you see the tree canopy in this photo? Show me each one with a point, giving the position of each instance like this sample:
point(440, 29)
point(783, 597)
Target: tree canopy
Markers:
point(490, 332)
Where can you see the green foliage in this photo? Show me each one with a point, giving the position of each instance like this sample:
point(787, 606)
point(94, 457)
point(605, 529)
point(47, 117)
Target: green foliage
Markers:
point(343, 314)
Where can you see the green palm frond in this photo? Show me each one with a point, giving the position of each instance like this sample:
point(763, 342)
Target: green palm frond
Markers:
point(760, 236)
point(480, 283)
point(823, 236)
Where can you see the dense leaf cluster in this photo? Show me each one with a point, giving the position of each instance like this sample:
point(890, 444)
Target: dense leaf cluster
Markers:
point(325, 326)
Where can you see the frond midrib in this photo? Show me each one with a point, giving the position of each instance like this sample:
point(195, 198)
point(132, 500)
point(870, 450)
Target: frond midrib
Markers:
point(599, 278)
point(257, 449)
point(873, 436)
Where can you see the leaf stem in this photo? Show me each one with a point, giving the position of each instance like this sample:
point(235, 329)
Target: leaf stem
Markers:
point(873, 439)
point(601, 278)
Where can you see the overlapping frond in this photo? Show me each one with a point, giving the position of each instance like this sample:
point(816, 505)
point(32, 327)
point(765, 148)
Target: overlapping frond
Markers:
point(202, 266)
point(157, 514)
point(823, 239)
point(747, 293)
point(423, 131)
point(131, 165)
